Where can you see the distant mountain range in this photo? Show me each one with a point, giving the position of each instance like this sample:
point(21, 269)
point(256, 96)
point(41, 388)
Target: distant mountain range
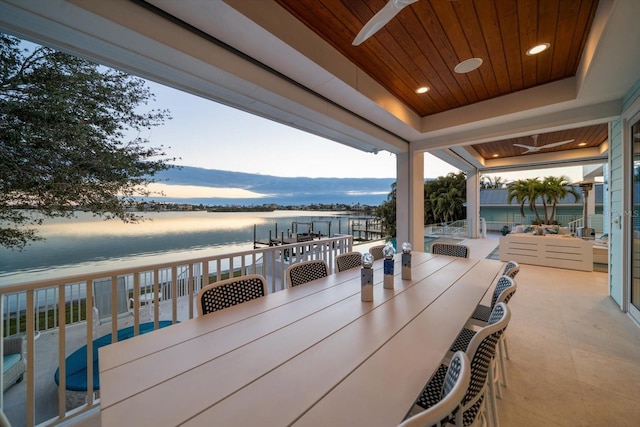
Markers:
point(280, 190)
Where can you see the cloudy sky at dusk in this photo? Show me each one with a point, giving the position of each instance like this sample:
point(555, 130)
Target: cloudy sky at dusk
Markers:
point(213, 136)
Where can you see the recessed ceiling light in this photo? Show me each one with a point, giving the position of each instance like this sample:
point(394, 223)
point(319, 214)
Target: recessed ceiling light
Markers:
point(468, 65)
point(538, 49)
point(582, 144)
point(423, 89)
point(496, 155)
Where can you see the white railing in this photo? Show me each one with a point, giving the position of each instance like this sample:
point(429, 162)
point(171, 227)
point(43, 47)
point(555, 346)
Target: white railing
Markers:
point(574, 225)
point(53, 306)
point(455, 230)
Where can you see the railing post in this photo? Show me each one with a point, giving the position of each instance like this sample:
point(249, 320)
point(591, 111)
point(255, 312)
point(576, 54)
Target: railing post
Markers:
point(62, 369)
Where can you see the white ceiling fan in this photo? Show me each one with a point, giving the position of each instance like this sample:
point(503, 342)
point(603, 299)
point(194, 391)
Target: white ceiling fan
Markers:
point(380, 19)
point(533, 148)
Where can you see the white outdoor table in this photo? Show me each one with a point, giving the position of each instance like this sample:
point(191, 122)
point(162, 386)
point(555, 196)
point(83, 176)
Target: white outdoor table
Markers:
point(311, 355)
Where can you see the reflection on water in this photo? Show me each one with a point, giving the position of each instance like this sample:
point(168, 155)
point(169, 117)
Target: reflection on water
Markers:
point(160, 223)
point(73, 246)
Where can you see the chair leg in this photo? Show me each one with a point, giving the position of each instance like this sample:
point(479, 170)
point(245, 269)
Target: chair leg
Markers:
point(493, 405)
point(497, 376)
point(503, 353)
point(506, 348)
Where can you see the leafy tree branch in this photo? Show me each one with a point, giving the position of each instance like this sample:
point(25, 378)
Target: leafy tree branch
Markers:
point(64, 123)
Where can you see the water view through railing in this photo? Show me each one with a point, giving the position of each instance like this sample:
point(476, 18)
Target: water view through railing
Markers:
point(90, 278)
point(74, 246)
point(78, 310)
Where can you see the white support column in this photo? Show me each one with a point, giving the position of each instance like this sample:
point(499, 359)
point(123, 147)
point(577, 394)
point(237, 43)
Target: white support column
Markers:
point(473, 203)
point(410, 199)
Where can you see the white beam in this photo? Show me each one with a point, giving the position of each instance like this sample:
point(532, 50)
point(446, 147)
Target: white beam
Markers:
point(552, 122)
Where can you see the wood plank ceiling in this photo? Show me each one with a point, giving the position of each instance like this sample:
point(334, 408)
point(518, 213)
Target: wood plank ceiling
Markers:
point(425, 41)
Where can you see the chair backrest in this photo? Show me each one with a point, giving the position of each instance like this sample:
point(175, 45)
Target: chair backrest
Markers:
point(511, 269)
point(348, 261)
point(504, 290)
point(454, 388)
point(451, 249)
point(306, 271)
point(481, 349)
point(226, 293)
point(377, 251)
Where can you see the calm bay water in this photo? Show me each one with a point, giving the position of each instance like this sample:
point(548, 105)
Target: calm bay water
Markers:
point(75, 246)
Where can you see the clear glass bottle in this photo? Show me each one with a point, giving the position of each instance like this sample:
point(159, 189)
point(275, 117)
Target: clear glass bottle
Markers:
point(388, 253)
point(406, 261)
point(366, 278)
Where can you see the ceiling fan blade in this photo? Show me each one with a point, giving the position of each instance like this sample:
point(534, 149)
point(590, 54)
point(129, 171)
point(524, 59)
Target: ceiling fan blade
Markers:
point(528, 147)
point(555, 144)
point(380, 19)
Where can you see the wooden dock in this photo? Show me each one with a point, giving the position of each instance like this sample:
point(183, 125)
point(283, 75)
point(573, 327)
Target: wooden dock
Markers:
point(292, 235)
point(360, 229)
point(371, 228)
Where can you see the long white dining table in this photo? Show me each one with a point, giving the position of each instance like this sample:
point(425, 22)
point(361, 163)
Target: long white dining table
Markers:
point(313, 355)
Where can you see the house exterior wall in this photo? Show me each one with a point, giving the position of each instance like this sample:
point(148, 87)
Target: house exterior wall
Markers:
point(512, 213)
point(616, 209)
point(620, 220)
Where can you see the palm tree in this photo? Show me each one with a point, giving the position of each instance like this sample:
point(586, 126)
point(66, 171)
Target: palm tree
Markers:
point(486, 182)
point(555, 189)
point(437, 205)
point(433, 207)
point(526, 191)
point(386, 212)
point(446, 203)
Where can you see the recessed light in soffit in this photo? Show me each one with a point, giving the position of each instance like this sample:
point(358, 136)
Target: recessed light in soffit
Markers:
point(538, 49)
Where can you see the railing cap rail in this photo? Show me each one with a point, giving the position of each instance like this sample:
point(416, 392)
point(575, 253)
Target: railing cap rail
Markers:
point(67, 280)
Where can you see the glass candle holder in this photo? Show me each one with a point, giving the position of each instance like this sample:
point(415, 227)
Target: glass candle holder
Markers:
point(388, 253)
point(366, 278)
point(406, 261)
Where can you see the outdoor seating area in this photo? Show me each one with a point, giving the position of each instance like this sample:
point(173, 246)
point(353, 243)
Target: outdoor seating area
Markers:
point(13, 365)
point(548, 250)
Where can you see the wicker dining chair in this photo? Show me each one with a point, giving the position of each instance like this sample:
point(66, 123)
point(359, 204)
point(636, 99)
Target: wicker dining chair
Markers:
point(377, 251)
point(505, 289)
point(481, 351)
point(454, 387)
point(236, 290)
point(450, 249)
point(348, 261)
point(502, 292)
point(511, 269)
point(306, 271)
point(462, 343)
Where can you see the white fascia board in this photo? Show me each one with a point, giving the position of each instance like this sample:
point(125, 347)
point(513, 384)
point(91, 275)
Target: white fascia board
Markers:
point(456, 160)
point(610, 63)
point(517, 105)
point(592, 155)
point(552, 122)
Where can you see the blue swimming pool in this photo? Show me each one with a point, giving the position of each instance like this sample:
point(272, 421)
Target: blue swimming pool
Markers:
point(76, 362)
